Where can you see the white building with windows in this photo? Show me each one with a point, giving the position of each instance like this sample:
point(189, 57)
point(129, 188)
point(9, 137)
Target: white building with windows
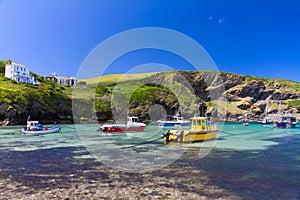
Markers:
point(19, 73)
point(63, 80)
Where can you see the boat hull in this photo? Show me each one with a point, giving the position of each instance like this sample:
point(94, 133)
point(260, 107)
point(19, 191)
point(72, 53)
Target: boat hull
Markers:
point(173, 124)
point(42, 131)
point(191, 136)
point(264, 123)
point(285, 125)
point(116, 129)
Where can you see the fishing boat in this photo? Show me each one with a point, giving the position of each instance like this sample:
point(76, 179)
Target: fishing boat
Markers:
point(132, 125)
point(178, 120)
point(286, 122)
point(200, 130)
point(265, 120)
point(35, 128)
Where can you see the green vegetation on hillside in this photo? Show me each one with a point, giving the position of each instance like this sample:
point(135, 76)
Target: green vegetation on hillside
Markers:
point(46, 101)
point(2, 66)
point(137, 93)
point(295, 103)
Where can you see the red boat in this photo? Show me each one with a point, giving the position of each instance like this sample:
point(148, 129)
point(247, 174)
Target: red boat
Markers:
point(132, 126)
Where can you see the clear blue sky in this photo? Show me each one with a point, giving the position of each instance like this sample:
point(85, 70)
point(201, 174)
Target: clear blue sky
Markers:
point(251, 37)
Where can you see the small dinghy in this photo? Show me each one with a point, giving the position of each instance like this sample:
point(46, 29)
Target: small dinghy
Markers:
point(35, 128)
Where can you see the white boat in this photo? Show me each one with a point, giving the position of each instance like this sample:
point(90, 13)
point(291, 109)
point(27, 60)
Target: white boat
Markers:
point(132, 125)
point(265, 120)
point(35, 128)
point(178, 121)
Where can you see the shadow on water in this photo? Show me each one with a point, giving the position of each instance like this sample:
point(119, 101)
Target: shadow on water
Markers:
point(46, 168)
point(273, 173)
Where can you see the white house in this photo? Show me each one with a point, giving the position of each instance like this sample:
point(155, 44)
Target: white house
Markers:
point(19, 73)
point(63, 80)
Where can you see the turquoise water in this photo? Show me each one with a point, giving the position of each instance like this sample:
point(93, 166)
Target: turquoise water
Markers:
point(254, 162)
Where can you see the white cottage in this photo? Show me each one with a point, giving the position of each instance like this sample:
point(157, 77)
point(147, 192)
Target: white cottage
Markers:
point(63, 80)
point(19, 73)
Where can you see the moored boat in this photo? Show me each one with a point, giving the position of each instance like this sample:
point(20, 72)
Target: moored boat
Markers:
point(35, 128)
point(200, 130)
point(286, 122)
point(178, 120)
point(245, 124)
point(132, 125)
point(265, 120)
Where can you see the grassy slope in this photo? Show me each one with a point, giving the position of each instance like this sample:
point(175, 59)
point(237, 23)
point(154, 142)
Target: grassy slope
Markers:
point(48, 94)
point(113, 78)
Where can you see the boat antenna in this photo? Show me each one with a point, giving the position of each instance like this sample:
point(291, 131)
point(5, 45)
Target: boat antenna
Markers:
point(28, 118)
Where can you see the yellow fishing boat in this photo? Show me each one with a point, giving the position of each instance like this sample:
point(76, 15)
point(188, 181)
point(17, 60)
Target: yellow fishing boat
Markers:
point(200, 130)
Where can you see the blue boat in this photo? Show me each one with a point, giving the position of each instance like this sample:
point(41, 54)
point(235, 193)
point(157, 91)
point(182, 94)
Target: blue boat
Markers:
point(286, 122)
point(178, 121)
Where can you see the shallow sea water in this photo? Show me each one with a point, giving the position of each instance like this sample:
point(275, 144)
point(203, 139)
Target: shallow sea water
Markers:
point(253, 162)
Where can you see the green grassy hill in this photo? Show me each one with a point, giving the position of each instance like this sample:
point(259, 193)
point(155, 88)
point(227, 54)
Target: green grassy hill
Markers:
point(47, 102)
point(113, 78)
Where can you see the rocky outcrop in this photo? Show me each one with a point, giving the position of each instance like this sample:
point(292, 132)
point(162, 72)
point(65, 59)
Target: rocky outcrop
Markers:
point(240, 94)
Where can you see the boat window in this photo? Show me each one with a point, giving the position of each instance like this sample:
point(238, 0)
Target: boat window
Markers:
point(198, 122)
point(194, 122)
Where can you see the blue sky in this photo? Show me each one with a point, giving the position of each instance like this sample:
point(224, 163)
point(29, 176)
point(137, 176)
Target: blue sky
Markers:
point(248, 37)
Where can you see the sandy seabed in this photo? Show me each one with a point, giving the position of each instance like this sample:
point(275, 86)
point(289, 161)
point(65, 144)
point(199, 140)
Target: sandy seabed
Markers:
point(56, 174)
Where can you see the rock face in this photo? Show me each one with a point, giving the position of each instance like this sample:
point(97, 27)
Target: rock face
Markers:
point(46, 113)
point(239, 95)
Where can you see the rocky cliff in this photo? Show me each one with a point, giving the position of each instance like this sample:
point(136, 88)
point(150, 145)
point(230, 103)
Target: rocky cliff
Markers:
point(225, 96)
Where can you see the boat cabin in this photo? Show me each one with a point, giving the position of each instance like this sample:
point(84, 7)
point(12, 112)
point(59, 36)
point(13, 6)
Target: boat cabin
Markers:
point(132, 120)
point(199, 124)
point(34, 125)
point(177, 119)
point(288, 119)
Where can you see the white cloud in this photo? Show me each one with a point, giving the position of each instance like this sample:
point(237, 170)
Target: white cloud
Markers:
point(221, 20)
